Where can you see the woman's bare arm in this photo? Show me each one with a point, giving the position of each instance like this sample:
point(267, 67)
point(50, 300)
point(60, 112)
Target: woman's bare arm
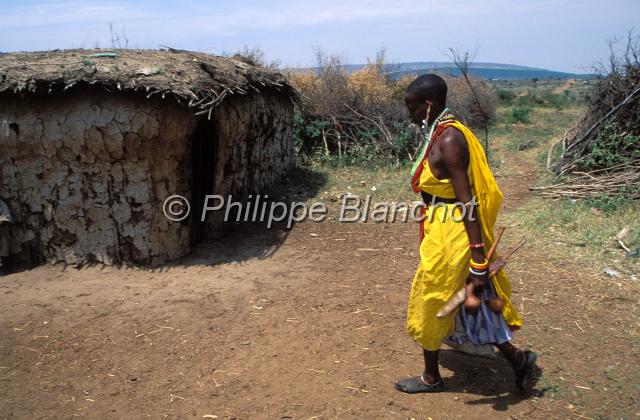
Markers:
point(454, 159)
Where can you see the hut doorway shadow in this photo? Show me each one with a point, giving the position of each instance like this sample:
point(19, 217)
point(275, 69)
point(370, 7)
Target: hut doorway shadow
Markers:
point(242, 241)
point(204, 155)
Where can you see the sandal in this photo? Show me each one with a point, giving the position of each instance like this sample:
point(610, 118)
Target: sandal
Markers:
point(418, 385)
point(526, 372)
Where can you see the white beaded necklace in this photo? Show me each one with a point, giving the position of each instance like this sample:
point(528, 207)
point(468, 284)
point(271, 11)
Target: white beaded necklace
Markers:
point(427, 138)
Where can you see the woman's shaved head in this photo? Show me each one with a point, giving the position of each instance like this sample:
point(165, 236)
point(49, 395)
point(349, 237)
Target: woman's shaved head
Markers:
point(429, 87)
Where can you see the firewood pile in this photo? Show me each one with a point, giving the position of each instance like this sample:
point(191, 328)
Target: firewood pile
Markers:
point(622, 180)
point(600, 155)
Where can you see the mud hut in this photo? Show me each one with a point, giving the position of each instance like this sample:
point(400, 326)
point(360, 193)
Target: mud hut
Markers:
point(93, 142)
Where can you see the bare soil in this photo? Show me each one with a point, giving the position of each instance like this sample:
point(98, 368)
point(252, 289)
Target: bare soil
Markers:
point(308, 323)
point(568, 85)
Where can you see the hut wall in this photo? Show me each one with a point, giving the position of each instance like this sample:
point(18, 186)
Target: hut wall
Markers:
point(255, 147)
point(84, 175)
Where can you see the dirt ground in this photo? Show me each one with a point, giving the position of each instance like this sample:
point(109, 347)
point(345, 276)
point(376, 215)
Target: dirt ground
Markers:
point(568, 85)
point(307, 323)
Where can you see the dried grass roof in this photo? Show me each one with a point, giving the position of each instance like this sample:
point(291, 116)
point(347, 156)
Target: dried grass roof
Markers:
point(197, 80)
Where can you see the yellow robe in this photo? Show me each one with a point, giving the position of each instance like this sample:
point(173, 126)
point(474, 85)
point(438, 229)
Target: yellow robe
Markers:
point(444, 250)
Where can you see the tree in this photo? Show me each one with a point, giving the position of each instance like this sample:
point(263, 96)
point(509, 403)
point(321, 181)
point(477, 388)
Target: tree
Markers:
point(462, 59)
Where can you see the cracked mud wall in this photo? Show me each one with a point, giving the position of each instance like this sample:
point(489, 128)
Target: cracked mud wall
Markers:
point(82, 174)
point(85, 174)
point(255, 147)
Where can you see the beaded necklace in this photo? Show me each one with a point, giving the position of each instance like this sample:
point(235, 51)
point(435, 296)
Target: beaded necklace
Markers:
point(444, 116)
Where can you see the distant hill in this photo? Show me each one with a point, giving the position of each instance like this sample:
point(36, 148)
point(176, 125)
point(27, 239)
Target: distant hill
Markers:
point(495, 71)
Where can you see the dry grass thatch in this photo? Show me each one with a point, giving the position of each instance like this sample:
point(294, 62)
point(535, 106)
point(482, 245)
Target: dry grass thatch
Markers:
point(196, 80)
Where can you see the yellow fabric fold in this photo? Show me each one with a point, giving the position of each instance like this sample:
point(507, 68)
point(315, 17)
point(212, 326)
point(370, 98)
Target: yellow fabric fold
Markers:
point(489, 199)
point(443, 269)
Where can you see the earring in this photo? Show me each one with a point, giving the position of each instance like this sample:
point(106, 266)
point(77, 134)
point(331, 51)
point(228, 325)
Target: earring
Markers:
point(425, 123)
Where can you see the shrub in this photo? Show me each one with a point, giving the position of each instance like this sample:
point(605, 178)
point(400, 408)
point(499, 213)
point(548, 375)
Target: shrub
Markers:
point(554, 100)
point(608, 204)
point(505, 95)
point(371, 85)
point(542, 99)
point(519, 115)
point(465, 106)
point(348, 115)
point(403, 141)
point(612, 146)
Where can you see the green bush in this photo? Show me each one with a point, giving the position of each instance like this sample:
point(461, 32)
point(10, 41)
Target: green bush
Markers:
point(307, 137)
point(297, 132)
point(506, 95)
point(606, 203)
point(529, 100)
point(612, 146)
point(542, 99)
point(364, 153)
point(554, 100)
point(403, 142)
point(519, 115)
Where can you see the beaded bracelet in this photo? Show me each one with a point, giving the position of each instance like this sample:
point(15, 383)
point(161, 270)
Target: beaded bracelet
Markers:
point(476, 246)
point(479, 266)
point(476, 272)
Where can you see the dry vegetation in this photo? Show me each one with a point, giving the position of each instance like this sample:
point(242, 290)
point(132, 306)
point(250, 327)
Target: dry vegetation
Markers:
point(602, 151)
point(197, 80)
point(360, 117)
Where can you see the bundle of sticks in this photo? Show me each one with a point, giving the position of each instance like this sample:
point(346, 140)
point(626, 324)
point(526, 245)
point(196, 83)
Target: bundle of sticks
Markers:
point(467, 296)
point(617, 180)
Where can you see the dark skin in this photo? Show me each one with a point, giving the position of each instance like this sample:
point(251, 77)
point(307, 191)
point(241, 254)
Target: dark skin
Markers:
point(449, 159)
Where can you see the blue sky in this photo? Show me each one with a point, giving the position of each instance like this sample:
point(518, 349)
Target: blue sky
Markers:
point(560, 35)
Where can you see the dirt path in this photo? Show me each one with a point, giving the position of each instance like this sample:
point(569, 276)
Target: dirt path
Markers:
point(568, 85)
point(309, 325)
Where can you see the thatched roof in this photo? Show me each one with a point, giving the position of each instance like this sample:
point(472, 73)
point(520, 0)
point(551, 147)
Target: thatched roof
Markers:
point(197, 80)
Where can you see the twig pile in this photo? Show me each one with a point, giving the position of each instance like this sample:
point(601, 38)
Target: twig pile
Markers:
point(622, 180)
point(577, 141)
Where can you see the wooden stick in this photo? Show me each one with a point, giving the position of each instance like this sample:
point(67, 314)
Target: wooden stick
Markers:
point(461, 294)
point(492, 250)
point(524, 241)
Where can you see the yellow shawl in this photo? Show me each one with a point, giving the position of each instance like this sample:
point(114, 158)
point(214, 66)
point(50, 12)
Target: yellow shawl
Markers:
point(489, 199)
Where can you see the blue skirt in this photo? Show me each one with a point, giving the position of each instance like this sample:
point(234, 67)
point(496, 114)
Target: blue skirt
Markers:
point(484, 327)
